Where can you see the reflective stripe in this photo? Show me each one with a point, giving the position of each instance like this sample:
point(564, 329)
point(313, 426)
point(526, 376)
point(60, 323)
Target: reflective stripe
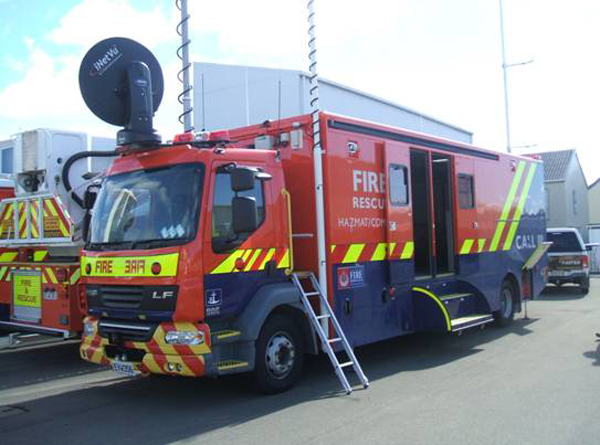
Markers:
point(408, 251)
point(130, 266)
point(229, 263)
point(76, 275)
point(7, 257)
point(332, 248)
point(380, 252)
point(285, 260)
point(51, 275)
point(353, 253)
point(40, 255)
point(438, 302)
point(517, 216)
point(268, 258)
point(480, 245)
point(252, 260)
point(507, 206)
point(466, 247)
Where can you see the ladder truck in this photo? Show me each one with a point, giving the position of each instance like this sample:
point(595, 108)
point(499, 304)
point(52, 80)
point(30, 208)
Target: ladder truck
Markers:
point(202, 252)
point(40, 230)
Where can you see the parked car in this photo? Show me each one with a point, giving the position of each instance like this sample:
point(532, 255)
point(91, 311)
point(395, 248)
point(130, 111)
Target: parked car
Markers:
point(568, 260)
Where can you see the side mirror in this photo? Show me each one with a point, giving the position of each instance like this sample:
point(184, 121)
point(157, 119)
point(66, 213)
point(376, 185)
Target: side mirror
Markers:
point(244, 215)
point(242, 179)
point(89, 197)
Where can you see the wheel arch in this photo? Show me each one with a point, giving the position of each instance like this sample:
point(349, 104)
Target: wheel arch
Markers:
point(271, 299)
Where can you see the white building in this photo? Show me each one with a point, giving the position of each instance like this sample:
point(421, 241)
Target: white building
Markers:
point(229, 96)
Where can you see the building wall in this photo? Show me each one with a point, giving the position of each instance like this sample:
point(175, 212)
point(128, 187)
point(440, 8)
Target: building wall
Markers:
point(557, 217)
point(227, 96)
point(594, 204)
point(576, 198)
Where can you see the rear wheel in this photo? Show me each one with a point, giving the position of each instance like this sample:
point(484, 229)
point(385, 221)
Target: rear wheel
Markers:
point(584, 285)
point(506, 314)
point(279, 355)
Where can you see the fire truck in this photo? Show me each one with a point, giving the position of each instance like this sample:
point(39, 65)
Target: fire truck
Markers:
point(40, 230)
point(202, 252)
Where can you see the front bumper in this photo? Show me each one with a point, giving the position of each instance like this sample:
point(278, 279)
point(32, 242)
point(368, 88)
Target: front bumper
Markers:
point(150, 357)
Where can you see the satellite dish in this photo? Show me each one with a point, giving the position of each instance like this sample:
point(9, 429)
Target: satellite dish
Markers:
point(122, 83)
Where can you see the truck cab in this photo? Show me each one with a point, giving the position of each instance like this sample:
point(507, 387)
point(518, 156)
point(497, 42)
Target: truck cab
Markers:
point(165, 276)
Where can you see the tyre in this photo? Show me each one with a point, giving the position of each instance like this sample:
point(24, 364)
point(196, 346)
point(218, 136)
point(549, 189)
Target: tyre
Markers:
point(506, 314)
point(279, 355)
point(584, 285)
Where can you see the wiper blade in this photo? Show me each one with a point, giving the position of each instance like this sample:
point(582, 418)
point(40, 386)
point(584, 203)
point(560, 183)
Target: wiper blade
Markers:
point(156, 242)
point(124, 245)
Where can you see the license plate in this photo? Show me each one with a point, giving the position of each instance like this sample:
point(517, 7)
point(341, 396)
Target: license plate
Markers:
point(125, 368)
point(558, 273)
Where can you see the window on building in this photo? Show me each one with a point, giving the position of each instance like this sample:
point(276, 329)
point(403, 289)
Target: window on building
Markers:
point(466, 194)
point(575, 203)
point(398, 185)
point(222, 227)
point(7, 160)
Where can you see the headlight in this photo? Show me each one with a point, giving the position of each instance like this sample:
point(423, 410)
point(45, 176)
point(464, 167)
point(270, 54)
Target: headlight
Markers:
point(88, 328)
point(184, 337)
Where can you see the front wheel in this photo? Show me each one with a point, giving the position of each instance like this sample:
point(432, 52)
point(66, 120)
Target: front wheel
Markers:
point(506, 314)
point(279, 355)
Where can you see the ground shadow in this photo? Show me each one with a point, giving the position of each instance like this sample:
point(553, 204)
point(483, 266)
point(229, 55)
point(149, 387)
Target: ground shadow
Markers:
point(160, 410)
point(594, 354)
point(563, 293)
point(42, 363)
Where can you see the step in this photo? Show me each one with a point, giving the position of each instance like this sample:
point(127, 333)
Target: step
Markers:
point(229, 365)
point(470, 321)
point(454, 296)
point(225, 336)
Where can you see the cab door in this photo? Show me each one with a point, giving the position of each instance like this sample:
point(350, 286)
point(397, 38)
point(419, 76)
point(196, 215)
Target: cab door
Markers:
point(399, 230)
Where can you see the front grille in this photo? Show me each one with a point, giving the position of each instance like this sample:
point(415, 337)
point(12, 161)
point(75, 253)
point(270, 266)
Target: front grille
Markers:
point(138, 298)
point(122, 297)
point(117, 331)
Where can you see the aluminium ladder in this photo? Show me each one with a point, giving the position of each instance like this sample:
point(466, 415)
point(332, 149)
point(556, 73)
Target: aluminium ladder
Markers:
point(323, 335)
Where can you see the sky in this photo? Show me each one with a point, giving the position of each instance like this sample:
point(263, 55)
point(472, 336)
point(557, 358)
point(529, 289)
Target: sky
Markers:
point(439, 57)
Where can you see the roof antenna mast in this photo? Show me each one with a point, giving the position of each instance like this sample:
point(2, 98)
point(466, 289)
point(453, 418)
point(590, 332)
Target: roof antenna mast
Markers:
point(184, 74)
point(317, 154)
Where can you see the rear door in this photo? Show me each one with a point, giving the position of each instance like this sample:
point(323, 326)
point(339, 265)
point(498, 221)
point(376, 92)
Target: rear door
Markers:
point(399, 231)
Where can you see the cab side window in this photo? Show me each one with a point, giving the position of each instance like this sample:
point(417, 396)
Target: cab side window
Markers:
point(223, 237)
point(466, 193)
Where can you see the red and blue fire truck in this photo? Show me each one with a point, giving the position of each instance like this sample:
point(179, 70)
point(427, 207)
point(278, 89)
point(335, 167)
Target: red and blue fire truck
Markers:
point(193, 244)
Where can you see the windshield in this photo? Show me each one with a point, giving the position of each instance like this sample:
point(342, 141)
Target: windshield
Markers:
point(564, 242)
point(147, 208)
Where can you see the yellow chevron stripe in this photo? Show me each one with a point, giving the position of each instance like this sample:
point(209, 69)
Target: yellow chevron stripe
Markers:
point(54, 211)
point(408, 251)
point(438, 302)
point(517, 216)
point(51, 275)
point(353, 253)
point(466, 247)
point(332, 248)
point(76, 275)
point(252, 260)
point(8, 257)
point(507, 206)
point(40, 255)
point(480, 245)
point(267, 258)
point(229, 263)
point(285, 260)
point(380, 252)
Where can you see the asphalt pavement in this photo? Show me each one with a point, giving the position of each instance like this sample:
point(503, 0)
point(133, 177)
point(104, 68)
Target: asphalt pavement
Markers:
point(535, 382)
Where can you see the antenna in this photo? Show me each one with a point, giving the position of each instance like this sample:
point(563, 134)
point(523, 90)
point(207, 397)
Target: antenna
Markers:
point(121, 82)
point(184, 74)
